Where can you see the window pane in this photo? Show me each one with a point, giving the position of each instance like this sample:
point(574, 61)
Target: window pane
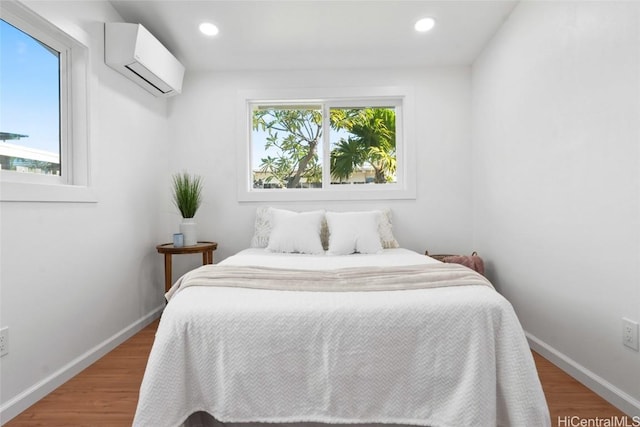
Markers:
point(363, 145)
point(29, 103)
point(286, 146)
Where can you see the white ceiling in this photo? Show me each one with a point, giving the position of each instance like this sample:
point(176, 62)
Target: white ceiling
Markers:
point(307, 34)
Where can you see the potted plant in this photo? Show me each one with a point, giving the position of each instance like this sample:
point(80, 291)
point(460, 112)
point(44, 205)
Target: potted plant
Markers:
point(187, 196)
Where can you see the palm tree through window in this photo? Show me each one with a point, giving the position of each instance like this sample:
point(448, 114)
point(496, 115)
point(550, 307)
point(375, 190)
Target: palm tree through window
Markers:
point(311, 145)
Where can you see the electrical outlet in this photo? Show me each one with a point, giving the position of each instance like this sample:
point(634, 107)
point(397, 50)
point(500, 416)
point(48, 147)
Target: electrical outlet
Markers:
point(630, 333)
point(4, 341)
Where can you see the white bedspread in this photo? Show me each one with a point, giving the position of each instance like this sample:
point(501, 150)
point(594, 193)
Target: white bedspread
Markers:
point(453, 356)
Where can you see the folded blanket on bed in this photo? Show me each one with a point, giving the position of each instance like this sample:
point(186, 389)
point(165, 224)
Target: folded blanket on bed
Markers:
point(339, 280)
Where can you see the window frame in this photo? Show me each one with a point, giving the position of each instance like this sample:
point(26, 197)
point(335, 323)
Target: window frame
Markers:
point(399, 97)
point(73, 183)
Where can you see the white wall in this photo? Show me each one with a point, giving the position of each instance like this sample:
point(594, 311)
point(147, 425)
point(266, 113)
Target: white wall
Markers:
point(204, 140)
point(76, 278)
point(556, 138)
point(549, 196)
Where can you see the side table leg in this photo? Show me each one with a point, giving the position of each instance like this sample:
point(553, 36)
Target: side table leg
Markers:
point(167, 272)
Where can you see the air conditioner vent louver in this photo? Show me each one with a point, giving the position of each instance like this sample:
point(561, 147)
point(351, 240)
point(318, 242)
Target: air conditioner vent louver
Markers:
point(134, 52)
point(140, 71)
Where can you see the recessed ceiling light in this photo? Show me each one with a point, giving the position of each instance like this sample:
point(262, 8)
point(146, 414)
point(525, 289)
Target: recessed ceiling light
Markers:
point(208, 29)
point(425, 24)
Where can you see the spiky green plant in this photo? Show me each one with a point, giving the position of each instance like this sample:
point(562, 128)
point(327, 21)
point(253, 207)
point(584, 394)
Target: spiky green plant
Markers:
point(187, 193)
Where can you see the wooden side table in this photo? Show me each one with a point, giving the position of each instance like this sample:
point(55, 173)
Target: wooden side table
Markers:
point(205, 248)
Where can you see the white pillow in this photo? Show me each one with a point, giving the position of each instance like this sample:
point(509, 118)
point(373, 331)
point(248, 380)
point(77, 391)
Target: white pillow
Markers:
point(263, 225)
point(351, 232)
point(295, 232)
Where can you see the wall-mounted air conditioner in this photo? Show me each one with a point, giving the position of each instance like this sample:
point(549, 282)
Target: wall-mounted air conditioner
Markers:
point(133, 51)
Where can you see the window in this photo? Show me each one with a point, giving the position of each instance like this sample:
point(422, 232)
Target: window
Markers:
point(363, 145)
point(43, 109)
point(286, 146)
point(327, 148)
point(30, 121)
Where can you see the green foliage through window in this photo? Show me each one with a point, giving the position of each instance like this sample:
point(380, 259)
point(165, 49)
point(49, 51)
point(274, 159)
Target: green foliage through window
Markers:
point(369, 146)
point(288, 145)
point(292, 147)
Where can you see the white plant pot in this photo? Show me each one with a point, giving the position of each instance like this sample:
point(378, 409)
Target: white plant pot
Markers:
point(189, 231)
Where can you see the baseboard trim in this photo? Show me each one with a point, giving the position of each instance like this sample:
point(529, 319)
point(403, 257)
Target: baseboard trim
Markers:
point(612, 394)
point(18, 404)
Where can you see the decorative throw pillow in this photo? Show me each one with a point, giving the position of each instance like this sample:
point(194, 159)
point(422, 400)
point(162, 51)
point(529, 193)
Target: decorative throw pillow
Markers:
point(386, 230)
point(324, 233)
point(294, 232)
point(351, 232)
point(262, 228)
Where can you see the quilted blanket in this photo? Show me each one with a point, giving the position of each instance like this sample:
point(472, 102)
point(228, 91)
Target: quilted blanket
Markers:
point(445, 356)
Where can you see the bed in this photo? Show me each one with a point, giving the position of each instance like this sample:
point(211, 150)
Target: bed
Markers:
point(257, 338)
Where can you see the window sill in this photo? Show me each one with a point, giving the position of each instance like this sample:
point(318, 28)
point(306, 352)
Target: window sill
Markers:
point(37, 192)
point(295, 195)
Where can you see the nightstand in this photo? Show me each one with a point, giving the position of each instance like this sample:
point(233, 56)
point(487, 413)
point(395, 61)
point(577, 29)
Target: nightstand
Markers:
point(205, 248)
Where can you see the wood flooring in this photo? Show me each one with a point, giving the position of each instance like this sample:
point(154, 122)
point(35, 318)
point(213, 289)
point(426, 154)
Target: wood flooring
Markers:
point(106, 393)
